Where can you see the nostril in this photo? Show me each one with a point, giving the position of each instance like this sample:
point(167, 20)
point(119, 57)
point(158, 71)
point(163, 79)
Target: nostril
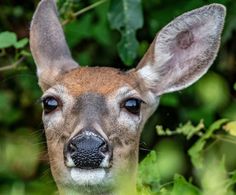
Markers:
point(72, 149)
point(103, 149)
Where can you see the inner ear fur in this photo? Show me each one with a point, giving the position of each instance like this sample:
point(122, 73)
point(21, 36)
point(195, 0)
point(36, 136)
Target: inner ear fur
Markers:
point(183, 50)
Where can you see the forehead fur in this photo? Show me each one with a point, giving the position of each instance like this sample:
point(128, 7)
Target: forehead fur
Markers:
point(102, 80)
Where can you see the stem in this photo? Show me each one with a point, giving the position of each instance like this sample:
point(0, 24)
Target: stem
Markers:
point(166, 184)
point(211, 145)
point(14, 65)
point(225, 139)
point(74, 15)
point(2, 52)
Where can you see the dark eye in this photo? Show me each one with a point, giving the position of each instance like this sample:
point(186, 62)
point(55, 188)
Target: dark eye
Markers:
point(133, 105)
point(49, 104)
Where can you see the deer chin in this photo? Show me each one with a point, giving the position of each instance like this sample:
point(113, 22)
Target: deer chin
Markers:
point(89, 181)
point(99, 176)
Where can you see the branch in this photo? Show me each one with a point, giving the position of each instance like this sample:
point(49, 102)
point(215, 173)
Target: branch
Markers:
point(74, 15)
point(11, 66)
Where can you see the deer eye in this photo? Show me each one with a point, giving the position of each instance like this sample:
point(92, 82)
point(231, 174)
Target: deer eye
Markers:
point(49, 104)
point(133, 105)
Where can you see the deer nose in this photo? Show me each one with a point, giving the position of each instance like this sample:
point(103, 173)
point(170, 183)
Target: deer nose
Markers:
point(88, 150)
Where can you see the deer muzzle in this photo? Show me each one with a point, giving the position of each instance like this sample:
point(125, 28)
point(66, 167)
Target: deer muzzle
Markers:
point(88, 150)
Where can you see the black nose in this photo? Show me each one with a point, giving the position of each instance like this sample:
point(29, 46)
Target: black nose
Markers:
point(87, 150)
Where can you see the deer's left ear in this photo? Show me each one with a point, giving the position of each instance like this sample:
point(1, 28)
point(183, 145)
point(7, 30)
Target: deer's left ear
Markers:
point(183, 50)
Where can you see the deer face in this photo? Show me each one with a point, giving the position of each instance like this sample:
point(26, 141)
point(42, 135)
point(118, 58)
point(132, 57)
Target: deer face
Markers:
point(93, 117)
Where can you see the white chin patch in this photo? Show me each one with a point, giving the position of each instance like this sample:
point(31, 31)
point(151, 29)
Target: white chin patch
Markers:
point(85, 177)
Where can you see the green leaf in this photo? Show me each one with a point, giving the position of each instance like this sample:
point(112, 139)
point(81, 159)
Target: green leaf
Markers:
point(170, 159)
point(230, 111)
point(7, 39)
point(215, 126)
point(167, 132)
point(196, 151)
point(213, 91)
point(127, 47)
point(148, 172)
point(214, 178)
point(182, 187)
point(21, 43)
point(126, 16)
point(25, 53)
point(188, 129)
point(71, 30)
point(233, 177)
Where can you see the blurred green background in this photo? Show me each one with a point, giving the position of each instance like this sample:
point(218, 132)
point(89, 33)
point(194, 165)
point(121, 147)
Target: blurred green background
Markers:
point(24, 167)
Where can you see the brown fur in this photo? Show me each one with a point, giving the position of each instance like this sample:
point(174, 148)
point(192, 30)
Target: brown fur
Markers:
point(102, 80)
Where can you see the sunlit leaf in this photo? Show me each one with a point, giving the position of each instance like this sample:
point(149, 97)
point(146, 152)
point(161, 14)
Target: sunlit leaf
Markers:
point(213, 177)
point(230, 128)
point(7, 39)
point(164, 132)
point(196, 151)
point(21, 43)
point(148, 172)
point(187, 129)
point(182, 187)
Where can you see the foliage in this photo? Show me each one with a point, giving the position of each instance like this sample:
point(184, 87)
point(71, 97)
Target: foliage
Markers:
point(193, 158)
point(209, 156)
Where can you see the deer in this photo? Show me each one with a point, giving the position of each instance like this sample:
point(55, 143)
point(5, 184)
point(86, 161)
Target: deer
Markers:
point(93, 116)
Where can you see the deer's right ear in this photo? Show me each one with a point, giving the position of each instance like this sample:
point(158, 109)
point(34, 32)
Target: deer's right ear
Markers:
point(48, 45)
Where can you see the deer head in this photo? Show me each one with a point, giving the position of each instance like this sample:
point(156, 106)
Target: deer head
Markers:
point(93, 117)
